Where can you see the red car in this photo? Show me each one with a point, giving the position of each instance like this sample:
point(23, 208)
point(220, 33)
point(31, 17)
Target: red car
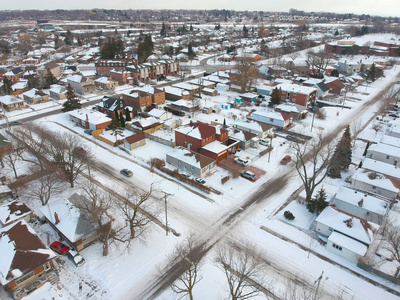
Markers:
point(59, 247)
point(286, 159)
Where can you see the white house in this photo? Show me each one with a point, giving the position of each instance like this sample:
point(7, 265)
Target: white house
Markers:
point(262, 130)
point(384, 153)
point(351, 235)
point(381, 167)
point(361, 204)
point(348, 66)
point(272, 118)
point(160, 114)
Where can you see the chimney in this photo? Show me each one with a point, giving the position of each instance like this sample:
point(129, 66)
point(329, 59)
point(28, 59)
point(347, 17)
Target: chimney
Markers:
point(57, 218)
point(87, 117)
point(360, 203)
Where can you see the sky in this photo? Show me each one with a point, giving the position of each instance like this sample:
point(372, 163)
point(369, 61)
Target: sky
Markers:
point(372, 7)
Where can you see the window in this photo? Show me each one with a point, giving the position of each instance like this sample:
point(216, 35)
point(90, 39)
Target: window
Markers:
point(337, 247)
point(294, 94)
point(283, 97)
point(185, 143)
point(47, 266)
point(387, 156)
point(293, 99)
point(330, 229)
point(374, 187)
point(24, 277)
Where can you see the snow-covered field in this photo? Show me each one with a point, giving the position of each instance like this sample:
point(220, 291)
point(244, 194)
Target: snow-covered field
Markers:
point(125, 272)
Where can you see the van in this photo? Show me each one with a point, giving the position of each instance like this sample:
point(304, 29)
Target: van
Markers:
point(265, 142)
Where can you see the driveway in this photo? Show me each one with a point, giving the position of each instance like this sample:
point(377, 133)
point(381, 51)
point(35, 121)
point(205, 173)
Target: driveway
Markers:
point(235, 169)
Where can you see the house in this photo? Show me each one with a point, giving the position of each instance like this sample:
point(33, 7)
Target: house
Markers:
point(262, 130)
point(375, 183)
point(10, 103)
point(265, 90)
point(289, 110)
point(209, 92)
point(104, 66)
point(70, 223)
point(206, 139)
point(14, 211)
point(384, 153)
point(249, 97)
point(81, 84)
point(89, 119)
point(320, 85)
point(173, 94)
point(390, 140)
point(160, 114)
point(34, 96)
point(5, 193)
point(5, 145)
point(191, 88)
point(382, 168)
point(105, 83)
point(347, 235)
point(360, 204)
point(191, 162)
point(157, 95)
point(27, 263)
point(302, 96)
point(273, 118)
point(110, 106)
point(57, 92)
point(348, 66)
point(335, 85)
point(203, 83)
point(171, 67)
point(54, 68)
point(134, 141)
point(121, 77)
point(394, 129)
point(147, 125)
point(19, 87)
point(246, 139)
point(299, 66)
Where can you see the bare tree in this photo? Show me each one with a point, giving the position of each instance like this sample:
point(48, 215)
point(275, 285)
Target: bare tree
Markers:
point(132, 210)
point(243, 268)
point(188, 259)
point(48, 185)
point(311, 160)
point(97, 209)
point(246, 75)
point(62, 148)
point(11, 158)
point(318, 60)
point(391, 240)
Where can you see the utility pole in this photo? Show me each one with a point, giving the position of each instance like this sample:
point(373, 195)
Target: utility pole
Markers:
point(318, 284)
point(270, 145)
point(166, 212)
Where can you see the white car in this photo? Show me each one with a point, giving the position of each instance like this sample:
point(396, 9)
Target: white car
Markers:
point(241, 161)
point(199, 180)
point(75, 257)
point(264, 142)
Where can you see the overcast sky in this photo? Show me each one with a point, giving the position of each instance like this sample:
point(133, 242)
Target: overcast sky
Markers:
point(373, 7)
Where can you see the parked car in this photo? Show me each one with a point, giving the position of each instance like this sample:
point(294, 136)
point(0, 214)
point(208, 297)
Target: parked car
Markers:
point(394, 115)
point(126, 172)
point(186, 174)
point(79, 151)
point(15, 123)
point(286, 159)
point(241, 161)
point(88, 131)
point(292, 138)
point(248, 174)
point(264, 142)
point(199, 180)
point(59, 247)
point(76, 258)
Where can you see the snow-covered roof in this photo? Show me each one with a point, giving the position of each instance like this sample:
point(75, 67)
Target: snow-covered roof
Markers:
point(348, 243)
point(190, 157)
point(8, 100)
point(72, 223)
point(390, 140)
point(385, 149)
point(374, 179)
point(156, 113)
point(287, 107)
point(368, 202)
point(93, 117)
point(175, 91)
point(215, 147)
point(102, 80)
point(185, 86)
point(359, 230)
point(268, 114)
point(20, 246)
point(381, 167)
point(294, 88)
point(12, 211)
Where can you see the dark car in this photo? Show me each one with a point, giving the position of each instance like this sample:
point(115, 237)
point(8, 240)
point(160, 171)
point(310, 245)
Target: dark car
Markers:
point(286, 159)
point(75, 257)
point(394, 115)
point(15, 123)
point(126, 172)
point(291, 138)
point(79, 151)
point(249, 175)
point(59, 247)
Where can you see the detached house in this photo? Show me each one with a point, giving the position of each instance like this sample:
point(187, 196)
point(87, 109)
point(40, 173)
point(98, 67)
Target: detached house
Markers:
point(14, 211)
point(89, 119)
point(335, 85)
point(81, 85)
point(302, 96)
point(384, 153)
point(276, 119)
point(10, 103)
point(34, 96)
point(27, 263)
point(206, 139)
point(109, 106)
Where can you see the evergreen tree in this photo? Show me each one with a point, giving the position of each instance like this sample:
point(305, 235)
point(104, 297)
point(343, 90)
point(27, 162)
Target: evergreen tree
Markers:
point(341, 158)
point(127, 115)
point(245, 31)
point(275, 99)
point(163, 31)
point(191, 27)
point(34, 82)
point(145, 49)
point(335, 73)
point(112, 48)
point(49, 79)
point(79, 42)
point(372, 73)
point(7, 86)
point(72, 101)
point(122, 120)
point(115, 128)
point(317, 204)
point(116, 115)
point(191, 53)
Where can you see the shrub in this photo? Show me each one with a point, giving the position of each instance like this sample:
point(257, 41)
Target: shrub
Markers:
point(288, 215)
point(321, 114)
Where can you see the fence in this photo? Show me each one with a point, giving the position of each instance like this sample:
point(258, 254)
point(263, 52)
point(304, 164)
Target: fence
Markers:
point(376, 272)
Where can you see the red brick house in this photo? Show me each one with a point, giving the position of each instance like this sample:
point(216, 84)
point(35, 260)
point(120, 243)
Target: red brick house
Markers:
point(301, 96)
point(335, 85)
point(27, 263)
point(206, 139)
point(122, 77)
point(104, 66)
point(145, 97)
